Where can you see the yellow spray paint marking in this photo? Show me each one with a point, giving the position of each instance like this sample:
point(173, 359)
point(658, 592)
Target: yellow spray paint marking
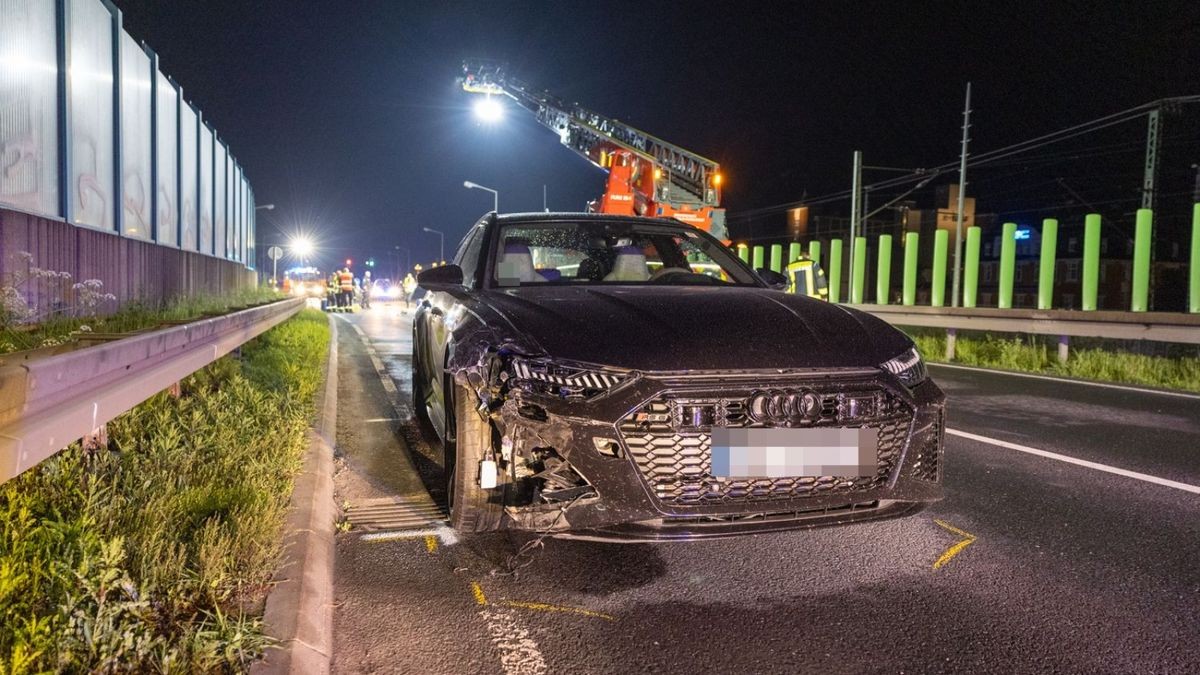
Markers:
point(430, 543)
point(954, 550)
point(543, 607)
point(477, 590)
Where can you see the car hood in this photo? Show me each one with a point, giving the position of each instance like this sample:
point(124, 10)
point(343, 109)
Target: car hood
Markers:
point(694, 328)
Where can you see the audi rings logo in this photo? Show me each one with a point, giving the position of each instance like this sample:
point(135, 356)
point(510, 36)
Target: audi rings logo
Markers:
point(783, 407)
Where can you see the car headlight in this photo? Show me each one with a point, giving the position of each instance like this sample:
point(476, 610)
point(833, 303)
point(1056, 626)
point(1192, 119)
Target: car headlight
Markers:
point(908, 367)
point(562, 380)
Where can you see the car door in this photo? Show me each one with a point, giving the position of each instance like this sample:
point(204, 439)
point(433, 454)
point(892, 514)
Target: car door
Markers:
point(439, 339)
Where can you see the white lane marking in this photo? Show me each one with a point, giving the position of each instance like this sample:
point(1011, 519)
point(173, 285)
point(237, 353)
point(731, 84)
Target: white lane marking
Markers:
point(447, 535)
point(1103, 385)
point(1078, 462)
point(519, 652)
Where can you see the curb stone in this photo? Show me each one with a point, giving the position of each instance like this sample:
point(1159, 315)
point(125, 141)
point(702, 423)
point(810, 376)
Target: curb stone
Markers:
point(299, 610)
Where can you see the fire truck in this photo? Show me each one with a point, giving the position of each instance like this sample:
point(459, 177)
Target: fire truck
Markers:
point(646, 175)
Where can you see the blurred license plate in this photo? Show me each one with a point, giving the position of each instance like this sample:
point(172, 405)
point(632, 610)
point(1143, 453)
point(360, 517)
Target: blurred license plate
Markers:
point(794, 453)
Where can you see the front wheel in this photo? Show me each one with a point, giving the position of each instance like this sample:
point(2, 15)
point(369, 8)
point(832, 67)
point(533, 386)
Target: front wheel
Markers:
point(468, 440)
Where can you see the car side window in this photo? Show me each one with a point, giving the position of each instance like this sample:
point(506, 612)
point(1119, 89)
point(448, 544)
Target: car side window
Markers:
point(468, 256)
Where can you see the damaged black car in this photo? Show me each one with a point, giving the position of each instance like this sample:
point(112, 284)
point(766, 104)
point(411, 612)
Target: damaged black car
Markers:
point(630, 379)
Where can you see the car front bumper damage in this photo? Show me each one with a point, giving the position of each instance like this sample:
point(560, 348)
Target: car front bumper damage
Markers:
point(641, 456)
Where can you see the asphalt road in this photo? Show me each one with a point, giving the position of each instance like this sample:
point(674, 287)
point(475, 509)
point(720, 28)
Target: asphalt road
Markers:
point(1067, 568)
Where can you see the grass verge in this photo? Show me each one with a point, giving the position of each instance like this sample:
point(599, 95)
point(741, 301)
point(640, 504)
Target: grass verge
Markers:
point(1038, 354)
point(155, 554)
point(132, 316)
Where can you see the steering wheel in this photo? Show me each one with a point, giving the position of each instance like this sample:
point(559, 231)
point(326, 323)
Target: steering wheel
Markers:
point(666, 272)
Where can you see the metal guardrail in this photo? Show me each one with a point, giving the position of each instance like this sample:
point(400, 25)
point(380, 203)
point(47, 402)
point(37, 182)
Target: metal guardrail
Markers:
point(48, 403)
point(1157, 326)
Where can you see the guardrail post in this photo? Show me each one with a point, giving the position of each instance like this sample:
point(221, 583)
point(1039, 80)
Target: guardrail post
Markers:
point(910, 268)
point(1046, 264)
point(1064, 348)
point(777, 257)
point(743, 252)
point(814, 251)
point(951, 339)
point(1008, 261)
point(793, 252)
point(937, 294)
point(835, 270)
point(1141, 261)
point(859, 278)
point(757, 258)
point(883, 272)
point(1194, 265)
point(1091, 261)
point(971, 268)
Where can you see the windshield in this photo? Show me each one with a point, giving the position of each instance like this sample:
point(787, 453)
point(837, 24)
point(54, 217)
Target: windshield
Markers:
point(612, 252)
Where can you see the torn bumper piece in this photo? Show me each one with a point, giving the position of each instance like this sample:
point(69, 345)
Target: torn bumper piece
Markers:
point(643, 451)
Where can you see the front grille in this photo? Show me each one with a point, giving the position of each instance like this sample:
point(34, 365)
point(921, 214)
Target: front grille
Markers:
point(925, 464)
point(669, 440)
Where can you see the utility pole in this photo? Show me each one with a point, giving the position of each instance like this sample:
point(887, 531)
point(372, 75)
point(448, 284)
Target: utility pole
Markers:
point(855, 210)
point(544, 207)
point(962, 191)
point(1153, 134)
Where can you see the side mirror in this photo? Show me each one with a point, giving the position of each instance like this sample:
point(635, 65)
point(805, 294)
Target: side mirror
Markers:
point(774, 279)
point(441, 278)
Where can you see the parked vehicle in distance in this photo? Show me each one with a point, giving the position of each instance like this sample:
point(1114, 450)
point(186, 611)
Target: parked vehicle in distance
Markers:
point(623, 378)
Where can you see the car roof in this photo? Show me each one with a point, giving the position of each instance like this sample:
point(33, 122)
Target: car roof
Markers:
point(541, 216)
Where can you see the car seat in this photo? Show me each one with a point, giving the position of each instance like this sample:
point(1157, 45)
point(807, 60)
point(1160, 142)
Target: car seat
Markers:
point(516, 266)
point(630, 265)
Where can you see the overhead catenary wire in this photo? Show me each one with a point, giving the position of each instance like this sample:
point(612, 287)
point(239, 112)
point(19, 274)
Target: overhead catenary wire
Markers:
point(980, 159)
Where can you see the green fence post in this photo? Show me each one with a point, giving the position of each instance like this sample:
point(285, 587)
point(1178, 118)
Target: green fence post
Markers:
point(937, 294)
point(743, 252)
point(1008, 261)
point(1091, 261)
point(814, 251)
point(835, 270)
point(910, 268)
point(860, 270)
point(1194, 266)
point(777, 257)
point(1141, 261)
point(883, 272)
point(1046, 264)
point(971, 268)
point(757, 257)
point(793, 252)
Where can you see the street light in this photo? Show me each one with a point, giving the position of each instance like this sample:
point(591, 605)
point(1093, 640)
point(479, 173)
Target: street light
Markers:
point(441, 241)
point(407, 258)
point(301, 247)
point(495, 194)
point(265, 207)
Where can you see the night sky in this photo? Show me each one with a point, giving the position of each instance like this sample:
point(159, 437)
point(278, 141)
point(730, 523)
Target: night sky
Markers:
point(347, 116)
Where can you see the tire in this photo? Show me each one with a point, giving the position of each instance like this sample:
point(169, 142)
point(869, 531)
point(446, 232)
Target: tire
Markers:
point(472, 508)
point(419, 393)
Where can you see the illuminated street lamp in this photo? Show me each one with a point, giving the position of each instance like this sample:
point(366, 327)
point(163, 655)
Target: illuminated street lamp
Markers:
point(301, 246)
point(441, 241)
point(495, 193)
point(265, 207)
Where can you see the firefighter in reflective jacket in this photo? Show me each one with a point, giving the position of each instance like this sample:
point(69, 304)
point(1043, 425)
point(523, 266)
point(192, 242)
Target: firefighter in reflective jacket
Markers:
point(805, 277)
point(346, 285)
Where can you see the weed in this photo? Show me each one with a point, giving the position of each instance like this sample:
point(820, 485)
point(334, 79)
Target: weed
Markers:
point(1034, 354)
point(156, 553)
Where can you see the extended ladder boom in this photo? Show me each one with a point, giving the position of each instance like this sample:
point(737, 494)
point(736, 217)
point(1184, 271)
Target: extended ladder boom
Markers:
point(663, 179)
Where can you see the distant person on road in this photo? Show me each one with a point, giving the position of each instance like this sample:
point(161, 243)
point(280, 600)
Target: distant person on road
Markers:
point(410, 285)
point(366, 290)
point(346, 285)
